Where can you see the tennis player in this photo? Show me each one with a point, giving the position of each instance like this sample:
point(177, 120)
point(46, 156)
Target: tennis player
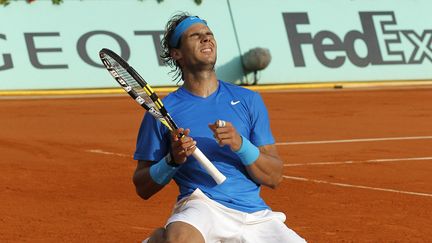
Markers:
point(231, 126)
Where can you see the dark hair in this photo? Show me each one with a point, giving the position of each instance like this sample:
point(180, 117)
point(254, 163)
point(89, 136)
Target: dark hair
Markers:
point(166, 47)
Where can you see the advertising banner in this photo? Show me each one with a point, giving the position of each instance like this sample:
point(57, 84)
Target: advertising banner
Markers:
point(46, 46)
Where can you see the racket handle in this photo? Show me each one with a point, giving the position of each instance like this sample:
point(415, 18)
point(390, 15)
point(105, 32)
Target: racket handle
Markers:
point(208, 166)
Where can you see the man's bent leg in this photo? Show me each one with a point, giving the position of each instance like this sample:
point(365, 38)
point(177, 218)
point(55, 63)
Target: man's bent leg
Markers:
point(156, 237)
point(181, 232)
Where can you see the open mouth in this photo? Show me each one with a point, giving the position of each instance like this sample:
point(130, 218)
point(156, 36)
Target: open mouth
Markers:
point(206, 50)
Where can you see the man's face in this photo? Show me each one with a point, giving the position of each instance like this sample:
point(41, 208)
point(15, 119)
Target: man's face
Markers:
point(198, 48)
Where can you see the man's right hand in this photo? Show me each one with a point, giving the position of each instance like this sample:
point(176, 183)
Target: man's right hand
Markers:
point(181, 147)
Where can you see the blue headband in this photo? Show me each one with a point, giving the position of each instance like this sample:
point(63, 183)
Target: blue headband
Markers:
point(182, 27)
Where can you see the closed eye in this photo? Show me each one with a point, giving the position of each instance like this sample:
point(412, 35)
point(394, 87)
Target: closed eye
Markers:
point(197, 35)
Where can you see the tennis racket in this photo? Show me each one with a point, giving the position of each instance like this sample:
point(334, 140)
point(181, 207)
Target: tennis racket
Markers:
point(144, 95)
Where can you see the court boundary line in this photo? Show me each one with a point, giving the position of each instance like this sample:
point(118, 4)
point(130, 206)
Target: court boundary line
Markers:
point(100, 151)
point(354, 140)
point(359, 161)
point(357, 186)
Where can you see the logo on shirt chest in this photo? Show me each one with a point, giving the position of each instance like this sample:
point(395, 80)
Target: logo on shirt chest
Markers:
point(235, 102)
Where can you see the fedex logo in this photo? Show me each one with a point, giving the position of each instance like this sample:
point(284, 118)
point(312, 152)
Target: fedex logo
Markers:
point(379, 34)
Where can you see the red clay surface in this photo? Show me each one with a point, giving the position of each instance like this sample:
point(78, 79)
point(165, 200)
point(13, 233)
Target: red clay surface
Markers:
point(66, 167)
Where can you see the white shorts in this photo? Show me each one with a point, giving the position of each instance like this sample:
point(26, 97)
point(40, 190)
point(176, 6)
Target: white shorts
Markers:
point(219, 224)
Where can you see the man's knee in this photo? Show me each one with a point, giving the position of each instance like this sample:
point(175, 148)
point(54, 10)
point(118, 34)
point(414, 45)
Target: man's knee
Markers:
point(157, 236)
point(180, 232)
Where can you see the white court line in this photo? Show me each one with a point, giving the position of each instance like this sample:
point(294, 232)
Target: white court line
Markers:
point(355, 140)
point(142, 228)
point(359, 162)
point(358, 186)
point(100, 151)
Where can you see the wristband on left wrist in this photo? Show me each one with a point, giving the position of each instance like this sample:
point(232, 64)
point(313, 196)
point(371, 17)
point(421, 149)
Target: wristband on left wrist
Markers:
point(248, 152)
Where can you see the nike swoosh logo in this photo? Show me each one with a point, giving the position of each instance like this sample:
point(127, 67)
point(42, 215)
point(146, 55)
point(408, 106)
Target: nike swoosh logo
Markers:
point(235, 102)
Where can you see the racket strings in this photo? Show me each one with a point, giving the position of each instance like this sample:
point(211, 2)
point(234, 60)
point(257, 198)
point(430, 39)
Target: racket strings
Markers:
point(125, 75)
point(131, 82)
point(142, 91)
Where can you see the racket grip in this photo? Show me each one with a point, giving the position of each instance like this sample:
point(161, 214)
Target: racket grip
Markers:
point(208, 166)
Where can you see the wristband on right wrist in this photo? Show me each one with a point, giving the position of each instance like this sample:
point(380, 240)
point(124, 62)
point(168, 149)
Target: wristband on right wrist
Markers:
point(162, 172)
point(248, 152)
point(169, 159)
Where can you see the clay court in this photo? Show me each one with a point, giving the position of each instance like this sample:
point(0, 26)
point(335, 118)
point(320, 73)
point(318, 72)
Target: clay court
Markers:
point(358, 166)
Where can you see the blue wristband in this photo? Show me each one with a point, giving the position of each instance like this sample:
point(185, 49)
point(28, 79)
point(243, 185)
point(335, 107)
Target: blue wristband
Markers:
point(161, 172)
point(248, 152)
